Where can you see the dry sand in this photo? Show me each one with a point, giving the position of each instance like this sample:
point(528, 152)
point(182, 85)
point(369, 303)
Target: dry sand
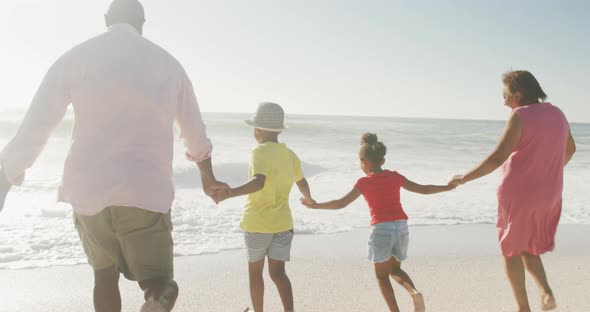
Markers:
point(458, 268)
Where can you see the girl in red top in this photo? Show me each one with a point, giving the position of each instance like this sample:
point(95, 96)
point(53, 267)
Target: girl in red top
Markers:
point(389, 239)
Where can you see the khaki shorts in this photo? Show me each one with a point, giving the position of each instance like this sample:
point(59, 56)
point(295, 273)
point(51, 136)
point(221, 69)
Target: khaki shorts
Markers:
point(138, 242)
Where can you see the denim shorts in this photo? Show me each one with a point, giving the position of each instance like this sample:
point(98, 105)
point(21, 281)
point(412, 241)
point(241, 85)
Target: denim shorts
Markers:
point(389, 239)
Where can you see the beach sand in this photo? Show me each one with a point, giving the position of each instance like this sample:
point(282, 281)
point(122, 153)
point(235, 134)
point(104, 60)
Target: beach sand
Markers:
point(457, 267)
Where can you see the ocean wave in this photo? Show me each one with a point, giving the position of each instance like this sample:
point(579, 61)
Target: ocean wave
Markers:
point(41, 233)
point(9, 128)
point(188, 242)
point(231, 173)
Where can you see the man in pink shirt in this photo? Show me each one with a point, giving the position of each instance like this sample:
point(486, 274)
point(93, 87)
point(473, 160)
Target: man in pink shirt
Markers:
point(127, 92)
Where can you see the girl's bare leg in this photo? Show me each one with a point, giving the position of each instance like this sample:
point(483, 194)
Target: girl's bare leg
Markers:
point(382, 272)
point(402, 278)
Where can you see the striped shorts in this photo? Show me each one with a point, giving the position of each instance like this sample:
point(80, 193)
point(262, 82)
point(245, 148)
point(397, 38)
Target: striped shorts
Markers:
point(276, 246)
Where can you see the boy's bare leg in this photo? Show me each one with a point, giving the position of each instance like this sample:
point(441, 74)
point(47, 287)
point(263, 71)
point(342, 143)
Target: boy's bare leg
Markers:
point(382, 272)
point(534, 266)
point(402, 278)
point(107, 297)
point(255, 270)
point(515, 272)
point(277, 272)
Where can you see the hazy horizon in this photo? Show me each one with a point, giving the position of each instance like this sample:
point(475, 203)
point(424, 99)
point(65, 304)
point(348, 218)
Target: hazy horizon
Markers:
point(350, 58)
point(21, 111)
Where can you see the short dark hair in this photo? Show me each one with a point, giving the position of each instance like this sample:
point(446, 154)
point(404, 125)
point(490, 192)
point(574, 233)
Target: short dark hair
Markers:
point(524, 82)
point(371, 149)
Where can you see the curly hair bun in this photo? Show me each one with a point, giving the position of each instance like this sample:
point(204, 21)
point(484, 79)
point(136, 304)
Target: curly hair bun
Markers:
point(369, 138)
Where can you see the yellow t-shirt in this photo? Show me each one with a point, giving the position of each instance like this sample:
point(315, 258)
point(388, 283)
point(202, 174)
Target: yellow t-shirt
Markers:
point(267, 211)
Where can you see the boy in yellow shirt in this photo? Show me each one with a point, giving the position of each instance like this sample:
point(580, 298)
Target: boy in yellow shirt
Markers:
point(267, 222)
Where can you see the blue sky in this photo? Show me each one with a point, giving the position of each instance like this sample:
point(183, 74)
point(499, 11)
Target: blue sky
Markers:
point(384, 58)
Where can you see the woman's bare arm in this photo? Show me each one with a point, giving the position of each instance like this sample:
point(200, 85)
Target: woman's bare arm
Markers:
point(507, 144)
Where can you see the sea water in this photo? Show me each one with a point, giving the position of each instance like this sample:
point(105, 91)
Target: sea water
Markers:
point(36, 231)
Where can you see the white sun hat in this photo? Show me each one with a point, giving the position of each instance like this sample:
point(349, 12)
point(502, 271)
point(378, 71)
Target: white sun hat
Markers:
point(268, 117)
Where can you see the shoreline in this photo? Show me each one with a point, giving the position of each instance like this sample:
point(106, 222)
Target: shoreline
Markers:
point(481, 233)
point(457, 267)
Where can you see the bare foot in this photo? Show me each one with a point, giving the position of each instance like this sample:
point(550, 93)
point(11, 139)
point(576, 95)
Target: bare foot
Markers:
point(548, 303)
point(419, 305)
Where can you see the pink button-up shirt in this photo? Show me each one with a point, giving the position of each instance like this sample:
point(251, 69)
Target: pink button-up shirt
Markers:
point(126, 93)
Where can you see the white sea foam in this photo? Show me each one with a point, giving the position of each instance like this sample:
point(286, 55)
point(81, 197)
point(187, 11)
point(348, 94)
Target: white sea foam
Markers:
point(35, 231)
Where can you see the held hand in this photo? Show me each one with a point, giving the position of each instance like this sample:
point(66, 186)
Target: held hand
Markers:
point(220, 196)
point(457, 180)
point(450, 187)
point(308, 202)
point(213, 187)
